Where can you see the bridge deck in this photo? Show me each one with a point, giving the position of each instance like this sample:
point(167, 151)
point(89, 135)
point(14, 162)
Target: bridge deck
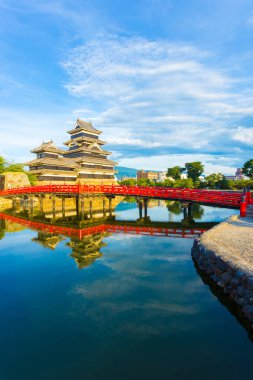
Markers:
point(217, 197)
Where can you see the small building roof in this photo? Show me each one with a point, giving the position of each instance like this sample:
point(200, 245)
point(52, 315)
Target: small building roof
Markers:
point(47, 147)
point(83, 125)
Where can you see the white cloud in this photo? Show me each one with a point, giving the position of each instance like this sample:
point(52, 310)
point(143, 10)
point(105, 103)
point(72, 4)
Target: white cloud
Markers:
point(244, 135)
point(158, 94)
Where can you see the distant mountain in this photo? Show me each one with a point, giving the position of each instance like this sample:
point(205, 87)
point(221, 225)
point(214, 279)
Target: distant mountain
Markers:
point(128, 172)
point(125, 172)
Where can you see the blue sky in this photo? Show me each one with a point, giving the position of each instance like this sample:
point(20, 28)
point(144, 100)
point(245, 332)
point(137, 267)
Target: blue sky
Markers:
point(167, 82)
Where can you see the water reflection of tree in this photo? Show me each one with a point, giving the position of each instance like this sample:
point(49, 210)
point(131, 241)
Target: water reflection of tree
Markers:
point(197, 211)
point(2, 228)
point(174, 207)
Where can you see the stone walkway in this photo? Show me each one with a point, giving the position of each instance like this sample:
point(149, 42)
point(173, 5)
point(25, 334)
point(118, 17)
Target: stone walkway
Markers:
point(232, 240)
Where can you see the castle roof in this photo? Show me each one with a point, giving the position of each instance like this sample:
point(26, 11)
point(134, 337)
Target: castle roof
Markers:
point(59, 161)
point(84, 139)
point(94, 160)
point(83, 125)
point(88, 149)
point(47, 147)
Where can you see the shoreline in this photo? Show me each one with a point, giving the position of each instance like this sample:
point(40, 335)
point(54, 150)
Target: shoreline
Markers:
point(225, 255)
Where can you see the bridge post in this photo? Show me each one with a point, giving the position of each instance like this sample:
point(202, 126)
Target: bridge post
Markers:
point(190, 211)
point(140, 204)
point(14, 203)
point(243, 207)
point(110, 206)
point(145, 201)
point(30, 205)
point(82, 206)
point(63, 206)
point(104, 207)
point(91, 208)
point(41, 203)
point(77, 204)
point(53, 205)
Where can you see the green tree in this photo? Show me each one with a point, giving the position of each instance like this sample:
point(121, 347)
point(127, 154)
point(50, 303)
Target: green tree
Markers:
point(224, 183)
point(184, 183)
point(194, 170)
point(128, 182)
point(166, 183)
point(175, 172)
point(145, 182)
point(12, 167)
point(213, 180)
point(2, 164)
point(248, 168)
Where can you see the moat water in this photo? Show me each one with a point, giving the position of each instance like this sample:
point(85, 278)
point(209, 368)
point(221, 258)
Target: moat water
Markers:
point(114, 306)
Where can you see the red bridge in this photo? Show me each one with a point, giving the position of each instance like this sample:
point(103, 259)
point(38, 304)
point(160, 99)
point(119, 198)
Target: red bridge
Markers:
point(214, 197)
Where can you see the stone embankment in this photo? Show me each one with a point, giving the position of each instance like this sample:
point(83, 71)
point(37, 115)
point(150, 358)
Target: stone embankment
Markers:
point(225, 254)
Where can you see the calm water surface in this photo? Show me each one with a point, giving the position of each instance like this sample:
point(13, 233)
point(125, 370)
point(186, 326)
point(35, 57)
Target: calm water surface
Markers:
point(137, 310)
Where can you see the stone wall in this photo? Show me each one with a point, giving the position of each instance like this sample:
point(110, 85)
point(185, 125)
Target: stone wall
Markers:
point(235, 283)
point(9, 180)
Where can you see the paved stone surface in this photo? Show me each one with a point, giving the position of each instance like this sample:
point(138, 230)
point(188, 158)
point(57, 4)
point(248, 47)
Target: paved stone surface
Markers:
point(232, 240)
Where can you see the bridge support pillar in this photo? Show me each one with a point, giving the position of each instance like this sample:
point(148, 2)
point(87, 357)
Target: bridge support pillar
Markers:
point(54, 205)
point(63, 206)
point(91, 208)
point(140, 204)
point(30, 205)
point(77, 205)
point(190, 211)
point(82, 206)
point(110, 206)
point(41, 204)
point(145, 201)
point(14, 203)
point(110, 197)
point(104, 207)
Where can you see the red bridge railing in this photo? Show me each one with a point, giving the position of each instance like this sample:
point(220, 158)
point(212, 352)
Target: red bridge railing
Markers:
point(218, 197)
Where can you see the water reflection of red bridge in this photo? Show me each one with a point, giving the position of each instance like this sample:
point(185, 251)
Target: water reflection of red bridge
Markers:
point(116, 227)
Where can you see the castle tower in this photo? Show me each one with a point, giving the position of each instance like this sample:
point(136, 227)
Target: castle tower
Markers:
point(85, 148)
point(84, 162)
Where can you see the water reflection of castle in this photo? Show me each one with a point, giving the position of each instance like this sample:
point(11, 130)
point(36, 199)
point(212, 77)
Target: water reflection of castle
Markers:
point(87, 250)
point(84, 251)
point(86, 231)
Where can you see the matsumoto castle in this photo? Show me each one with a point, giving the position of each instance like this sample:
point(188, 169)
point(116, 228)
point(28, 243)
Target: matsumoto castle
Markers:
point(85, 161)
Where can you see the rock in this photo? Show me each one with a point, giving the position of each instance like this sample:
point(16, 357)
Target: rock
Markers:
point(251, 301)
point(215, 278)
point(248, 281)
point(218, 272)
point(234, 282)
point(221, 265)
point(226, 278)
point(239, 275)
point(240, 301)
point(221, 284)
